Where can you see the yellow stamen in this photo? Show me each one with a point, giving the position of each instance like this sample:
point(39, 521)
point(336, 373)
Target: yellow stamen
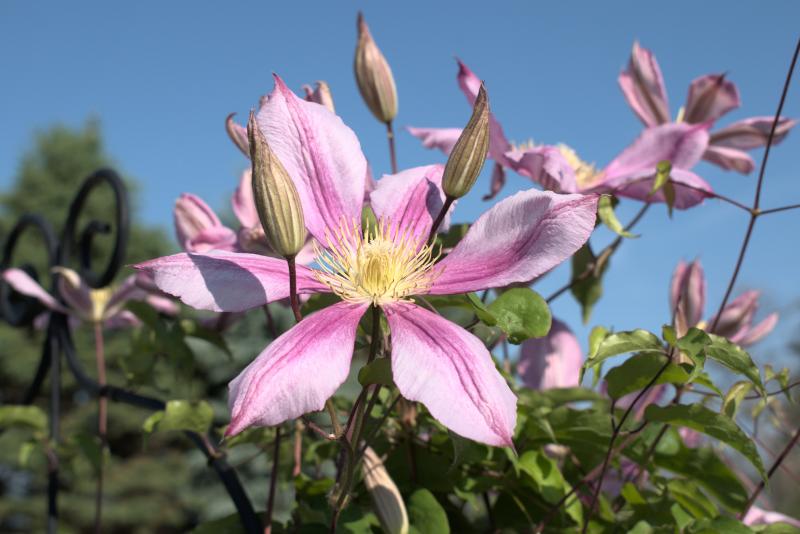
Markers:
point(100, 299)
point(380, 266)
point(585, 173)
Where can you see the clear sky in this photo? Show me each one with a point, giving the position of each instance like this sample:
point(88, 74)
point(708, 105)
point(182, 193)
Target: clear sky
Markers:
point(162, 76)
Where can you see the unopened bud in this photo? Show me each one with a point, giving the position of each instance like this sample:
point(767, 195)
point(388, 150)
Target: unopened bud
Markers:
point(386, 498)
point(238, 134)
point(468, 155)
point(374, 77)
point(320, 95)
point(276, 198)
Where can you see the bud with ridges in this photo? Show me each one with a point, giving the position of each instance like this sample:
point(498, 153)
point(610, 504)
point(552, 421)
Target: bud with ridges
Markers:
point(374, 77)
point(321, 95)
point(277, 201)
point(386, 498)
point(468, 155)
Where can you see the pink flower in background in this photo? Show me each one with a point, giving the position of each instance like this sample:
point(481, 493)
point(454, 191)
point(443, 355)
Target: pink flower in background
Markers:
point(736, 321)
point(434, 361)
point(759, 516)
point(105, 305)
point(553, 361)
point(559, 169)
point(542, 164)
point(198, 228)
point(709, 98)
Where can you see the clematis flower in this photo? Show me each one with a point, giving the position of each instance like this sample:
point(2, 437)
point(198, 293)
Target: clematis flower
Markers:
point(558, 168)
point(84, 304)
point(198, 228)
point(710, 97)
point(553, 361)
point(543, 164)
point(434, 361)
point(736, 320)
point(759, 516)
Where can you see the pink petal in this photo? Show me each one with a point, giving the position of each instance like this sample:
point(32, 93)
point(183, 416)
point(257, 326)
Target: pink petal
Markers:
point(546, 166)
point(498, 180)
point(553, 361)
point(227, 281)
point(410, 199)
point(198, 228)
point(757, 332)
point(690, 189)
point(689, 287)
point(320, 153)
point(518, 239)
point(297, 372)
point(238, 134)
point(643, 87)
point(443, 139)
point(24, 284)
point(730, 159)
point(470, 84)
point(710, 97)
point(242, 202)
point(441, 365)
point(737, 316)
point(681, 144)
point(75, 292)
point(752, 133)
point(759, 516)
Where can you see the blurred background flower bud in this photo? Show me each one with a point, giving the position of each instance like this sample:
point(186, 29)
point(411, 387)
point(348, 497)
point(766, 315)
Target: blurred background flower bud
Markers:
point(687, 296)
point(374, 76)
point(386, 498)
point(320, 95)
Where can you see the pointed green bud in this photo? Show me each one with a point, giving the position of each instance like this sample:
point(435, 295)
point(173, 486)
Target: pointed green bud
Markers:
point(277, 200)
point(374, 76)
point(469, 153)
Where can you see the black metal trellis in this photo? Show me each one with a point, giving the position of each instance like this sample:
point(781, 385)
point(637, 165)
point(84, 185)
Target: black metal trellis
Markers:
point(19, 311)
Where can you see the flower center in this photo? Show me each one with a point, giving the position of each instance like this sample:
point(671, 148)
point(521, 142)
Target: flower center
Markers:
point(586, 174)
point(380, 266)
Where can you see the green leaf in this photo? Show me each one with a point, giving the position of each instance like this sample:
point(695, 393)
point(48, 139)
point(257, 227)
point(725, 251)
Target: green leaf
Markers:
point(31, 417)
point(717, 478)
point(481, 311)
point(426, 515)
point(734, 358)
point(548, 481)
point(377, 372)
point(195, 416)
point(194, 329)
point(734, 397)
point(622, 342)
point(702, 419)
point(691, 498)
point(26, 450)
point(596, 337)
point(637, 371)
point(605, 210)
point(522, 314)
point(782, 378)
point(92, 449)
point(587, 288)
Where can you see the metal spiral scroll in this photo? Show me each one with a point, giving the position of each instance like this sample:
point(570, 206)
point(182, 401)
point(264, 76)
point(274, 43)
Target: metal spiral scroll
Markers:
point(20, 311)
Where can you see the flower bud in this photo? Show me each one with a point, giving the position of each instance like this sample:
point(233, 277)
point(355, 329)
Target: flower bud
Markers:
point(374, 77)
point(238, 134)
point(386, 498)
point(468, 155)
point(320, 95)
point(276, 198)
point(687, 295)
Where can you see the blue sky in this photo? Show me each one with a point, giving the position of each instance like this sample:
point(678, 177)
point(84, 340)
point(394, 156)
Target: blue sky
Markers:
point(162, 76)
